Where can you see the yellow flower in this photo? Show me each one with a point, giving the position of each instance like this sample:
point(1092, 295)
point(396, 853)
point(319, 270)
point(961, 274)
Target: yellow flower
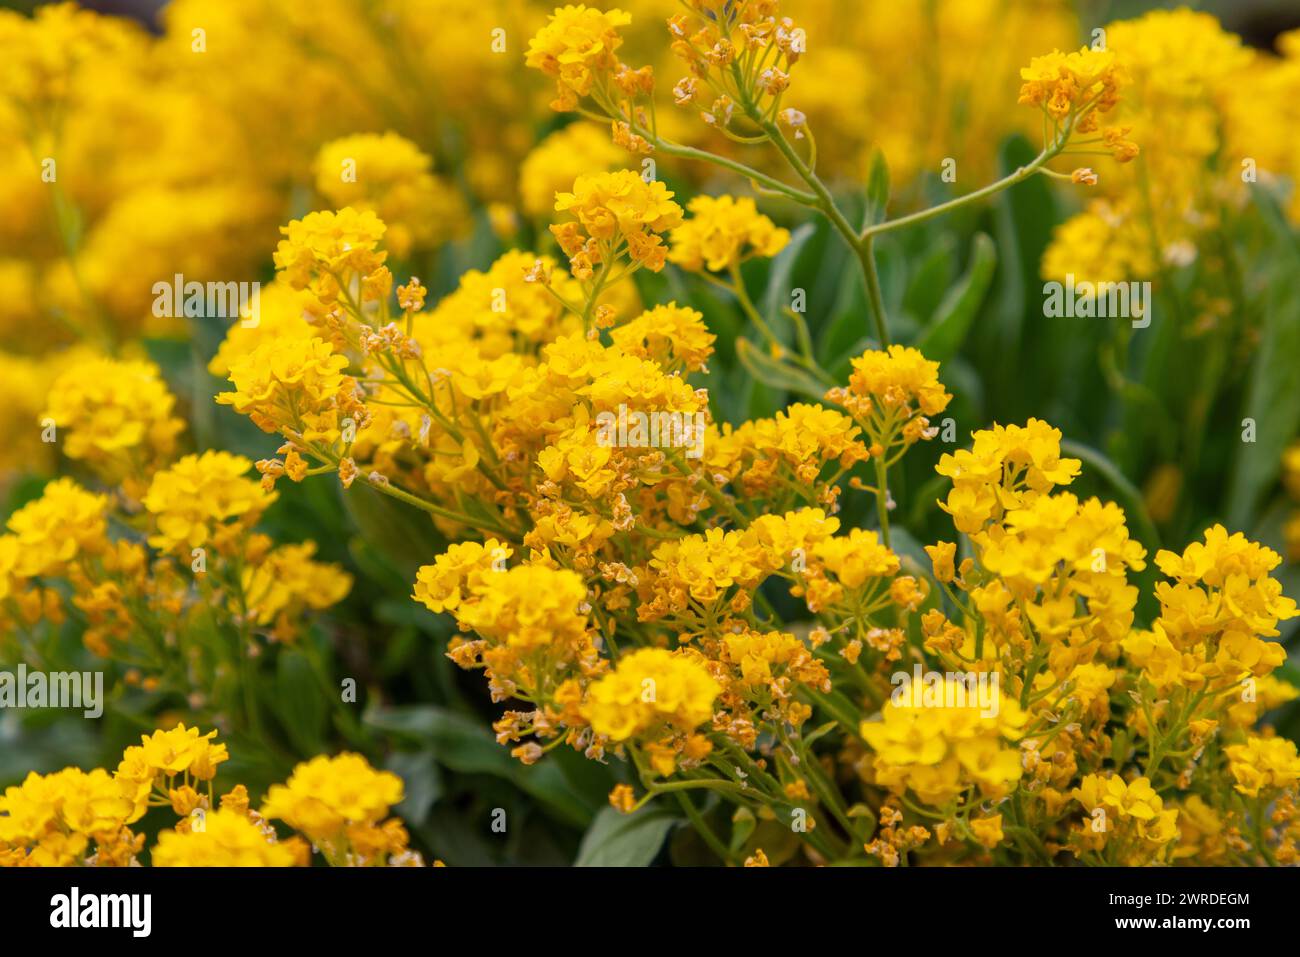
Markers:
point(1263, 763)
point(325, 795)
point(202, 499)
point(388, 175)
point(988, 830)
point(577, 48)
point(1223, 586)
point(180, 750)
point(286, 582)
point(1007, 465)
point(892, 393)
point(323, 249)
point(558, 160)
point(651, 688)
point(942, 555)
point(670, 335)
point(722, 233)
point(622, 798)
point(857, 557)
point(51, 819)
point(52, 530)
point(116, 416)
point(458, 572)
point(1072, 83)
point(497, 311)
point(615, 212)
point(527, 606)
point(295, 384)
point(227, 839)
point(939, 751)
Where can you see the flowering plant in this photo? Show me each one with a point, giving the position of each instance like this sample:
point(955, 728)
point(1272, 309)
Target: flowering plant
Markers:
point(759, 523)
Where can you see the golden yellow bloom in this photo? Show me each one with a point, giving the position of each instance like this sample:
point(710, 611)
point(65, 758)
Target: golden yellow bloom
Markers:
point(180, 750)
point(324, 249)
point(295, 384)
point(458, 572)
point(50, 820)
point(577, 48)
point(52, 530)
point(651, 688)
point(288, 581)
point(722, 233)
point(941, 749)
point(988, 830)
point(1066, 84)
point(1263, 763)
point(116, 416)
point(387, 174)
point(227, 839)
point(558, 160)
point(333, 801)
point(891, 394)
point(204, 499)
point(616, 213)
point(622, 798)
point(671, 335)
point(1006, 465)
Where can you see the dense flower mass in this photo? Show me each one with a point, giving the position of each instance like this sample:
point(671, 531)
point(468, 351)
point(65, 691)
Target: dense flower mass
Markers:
point(698, 435)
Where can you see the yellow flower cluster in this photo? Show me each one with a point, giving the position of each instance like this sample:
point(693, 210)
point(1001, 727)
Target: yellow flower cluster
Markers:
point(172, 548)
point(339, 804)
point(205, 499)
point(324, 250)
point(387, 175)
point(577, 47)
point(652, 690)
point(1197, 104)
point(117, 416)
point(722, 233)
point(1071, 85)
point(891, 395)
point(639, 582)
point(1125, 814)
point(615, 213)
point(939, 751)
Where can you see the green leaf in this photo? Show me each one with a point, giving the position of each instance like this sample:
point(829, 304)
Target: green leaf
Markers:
point(455, 740)
point(401, 533)
point(422, 783)
point(941, 339)
point(616, 839)
point(743, 823)
point(777, 293)
point(877, 189)
point(930, 280)
point(777, 373)
point(1272, 401)
point(465, 745)
point(299, 702)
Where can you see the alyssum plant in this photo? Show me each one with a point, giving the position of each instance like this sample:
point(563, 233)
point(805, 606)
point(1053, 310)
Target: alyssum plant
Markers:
point(623, 597)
